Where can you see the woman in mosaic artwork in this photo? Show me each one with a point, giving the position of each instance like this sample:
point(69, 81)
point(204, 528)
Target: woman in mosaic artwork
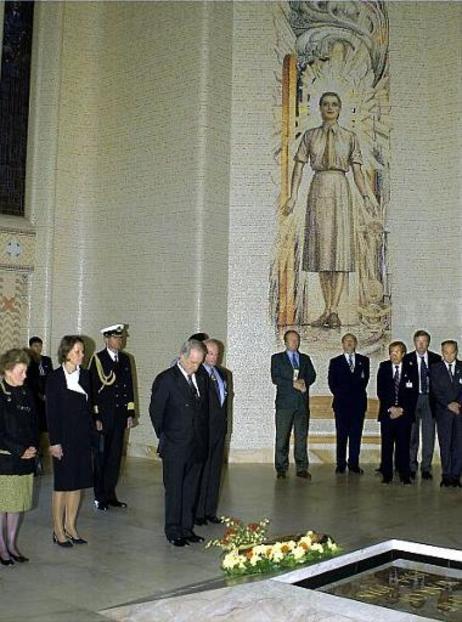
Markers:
point(18, 449)
point(70, 430)
point(329, 245)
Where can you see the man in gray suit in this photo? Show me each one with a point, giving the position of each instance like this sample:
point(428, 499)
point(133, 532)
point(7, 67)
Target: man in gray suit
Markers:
point(446, 386)
point(293, 373)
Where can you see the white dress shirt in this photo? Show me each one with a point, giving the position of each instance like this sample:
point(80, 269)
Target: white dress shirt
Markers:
point(353, 358)
point(114, 355)
point(393, 369)
point(72, 381)
point(193, 377)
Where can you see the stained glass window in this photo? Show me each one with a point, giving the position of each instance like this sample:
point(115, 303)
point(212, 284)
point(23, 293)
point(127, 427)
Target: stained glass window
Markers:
point(14, 104)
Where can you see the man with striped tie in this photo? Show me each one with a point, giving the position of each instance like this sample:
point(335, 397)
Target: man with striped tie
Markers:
point(397, 399)
point(347, 378)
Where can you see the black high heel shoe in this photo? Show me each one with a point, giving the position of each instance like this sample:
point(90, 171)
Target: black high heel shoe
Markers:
point(6, 562)
point(18, 558)
point(78, 540)
point(66, 544)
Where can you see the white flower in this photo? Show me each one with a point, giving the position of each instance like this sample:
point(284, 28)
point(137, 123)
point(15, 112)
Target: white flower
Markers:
point(254, 559)
point(261, 549)
point(298, 553)
point(276, 553)
point(233, 559)
point(317, 548)
point(332, 546)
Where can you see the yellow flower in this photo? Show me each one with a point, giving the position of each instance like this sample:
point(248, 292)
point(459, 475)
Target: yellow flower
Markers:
point(317, 548)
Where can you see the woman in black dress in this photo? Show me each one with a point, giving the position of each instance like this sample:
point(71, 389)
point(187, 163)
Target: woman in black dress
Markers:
point(18, 448)
point(70, 429)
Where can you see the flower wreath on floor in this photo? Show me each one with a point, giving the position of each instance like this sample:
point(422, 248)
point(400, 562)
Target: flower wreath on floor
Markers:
point(248, 551)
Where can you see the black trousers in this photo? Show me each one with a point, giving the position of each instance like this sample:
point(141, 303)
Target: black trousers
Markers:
point(349, 424)
point(181, 481)
point(209, 488)
point(449, 428)
point(396, 436)
point(107, 458)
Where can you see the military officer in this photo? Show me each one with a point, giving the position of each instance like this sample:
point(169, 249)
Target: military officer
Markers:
point(114, 412)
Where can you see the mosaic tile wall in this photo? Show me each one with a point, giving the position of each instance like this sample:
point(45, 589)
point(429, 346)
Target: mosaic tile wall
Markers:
point(424, 173)
point(130, 198)
point(153, 187)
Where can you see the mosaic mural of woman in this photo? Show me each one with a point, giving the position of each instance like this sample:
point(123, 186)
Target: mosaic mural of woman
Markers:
point(329, 240)
point(334, 62)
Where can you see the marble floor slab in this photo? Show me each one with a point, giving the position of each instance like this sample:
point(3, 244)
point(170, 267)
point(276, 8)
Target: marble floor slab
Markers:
point(266, 601)
point(128, 559)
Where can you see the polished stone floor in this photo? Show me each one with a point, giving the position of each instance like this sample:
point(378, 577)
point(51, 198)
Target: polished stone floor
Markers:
point(128, 559)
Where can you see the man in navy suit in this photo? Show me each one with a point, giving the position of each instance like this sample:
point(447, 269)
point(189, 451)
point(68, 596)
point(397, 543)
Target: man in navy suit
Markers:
point(179, 411)
point(396, 412)
point(39, 368)
point(446, 386)
point(347, 378)
point(418, 364)
point(207, 504)
point(114, 412)
point(293, 373)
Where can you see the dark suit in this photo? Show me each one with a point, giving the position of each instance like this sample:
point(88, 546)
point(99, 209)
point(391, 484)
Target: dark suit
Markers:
point(207, 503)
point(424, 412)
point(181, 422)
point(37, 373)
point(292, 409)
point(396, 433)
point(349, 404)
point(113, 403)
point(449, 425)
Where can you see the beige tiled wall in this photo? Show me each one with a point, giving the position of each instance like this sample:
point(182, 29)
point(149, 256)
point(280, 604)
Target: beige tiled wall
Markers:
point(153, 186)
point(129, 176)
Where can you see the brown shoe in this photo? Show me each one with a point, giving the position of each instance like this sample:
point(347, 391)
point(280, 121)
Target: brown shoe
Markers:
point(333, 321)
point(304, 474)
point(321, 321)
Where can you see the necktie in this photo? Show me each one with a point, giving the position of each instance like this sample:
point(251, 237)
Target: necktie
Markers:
point(192, 387)
point(350, 363)
point(423, 375)
point(294, 360)
point(396, 383)
point(328, 158)
point(214, 380)
point(451, 371)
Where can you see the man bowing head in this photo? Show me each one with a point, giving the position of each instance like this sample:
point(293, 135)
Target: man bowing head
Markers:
point(179, 412)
